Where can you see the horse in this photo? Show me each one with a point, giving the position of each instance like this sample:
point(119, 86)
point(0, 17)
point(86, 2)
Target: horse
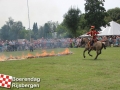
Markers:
point(97, 46)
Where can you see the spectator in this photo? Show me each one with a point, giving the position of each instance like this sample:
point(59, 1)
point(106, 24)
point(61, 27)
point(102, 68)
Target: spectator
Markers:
point(31, 47)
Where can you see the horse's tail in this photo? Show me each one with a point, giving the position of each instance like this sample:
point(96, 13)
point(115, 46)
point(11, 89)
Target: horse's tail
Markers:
point(103, 46)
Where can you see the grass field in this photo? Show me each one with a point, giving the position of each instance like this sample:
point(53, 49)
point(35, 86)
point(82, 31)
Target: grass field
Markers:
point(69, 72)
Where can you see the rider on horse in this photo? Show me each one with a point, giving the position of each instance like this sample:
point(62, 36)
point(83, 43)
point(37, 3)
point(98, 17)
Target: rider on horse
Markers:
point(93, 33)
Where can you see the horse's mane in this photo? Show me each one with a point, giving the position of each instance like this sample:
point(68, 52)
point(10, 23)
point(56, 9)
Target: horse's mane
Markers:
point(84, 41)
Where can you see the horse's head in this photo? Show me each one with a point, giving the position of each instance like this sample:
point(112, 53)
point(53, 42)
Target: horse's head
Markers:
point(84, 41)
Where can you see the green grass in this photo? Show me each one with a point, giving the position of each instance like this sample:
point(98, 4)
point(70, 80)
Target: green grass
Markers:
point(69, 72)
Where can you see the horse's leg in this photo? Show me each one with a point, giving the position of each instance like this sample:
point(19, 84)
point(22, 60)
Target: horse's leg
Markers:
point(84, 52)
point(98, 52)
point(89, 52)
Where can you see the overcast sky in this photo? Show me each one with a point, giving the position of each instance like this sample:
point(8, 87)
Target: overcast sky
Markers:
point(42, 11)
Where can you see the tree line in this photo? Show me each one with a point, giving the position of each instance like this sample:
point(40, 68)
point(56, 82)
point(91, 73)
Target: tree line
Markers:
point(74, 23)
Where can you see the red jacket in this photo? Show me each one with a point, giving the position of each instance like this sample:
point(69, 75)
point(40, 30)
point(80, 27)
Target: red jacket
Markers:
point(93, 34)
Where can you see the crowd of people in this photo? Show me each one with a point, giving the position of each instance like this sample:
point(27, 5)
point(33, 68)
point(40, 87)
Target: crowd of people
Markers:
point(111, 40)
point(16, 45)
point(21, 45)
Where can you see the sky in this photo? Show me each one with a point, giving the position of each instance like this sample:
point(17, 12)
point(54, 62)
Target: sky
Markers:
point(42, 11)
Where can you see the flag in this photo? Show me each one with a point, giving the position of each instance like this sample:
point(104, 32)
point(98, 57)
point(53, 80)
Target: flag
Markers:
point(5, 80)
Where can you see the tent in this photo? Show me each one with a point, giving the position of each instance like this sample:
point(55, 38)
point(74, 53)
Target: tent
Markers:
point(85, 35)
point(113, 29)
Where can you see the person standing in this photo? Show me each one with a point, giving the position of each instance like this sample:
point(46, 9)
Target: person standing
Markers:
point(31, 47)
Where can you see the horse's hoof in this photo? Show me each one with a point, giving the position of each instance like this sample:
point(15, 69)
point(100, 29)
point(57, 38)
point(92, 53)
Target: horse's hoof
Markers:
point(95, 59)
point(84, 56)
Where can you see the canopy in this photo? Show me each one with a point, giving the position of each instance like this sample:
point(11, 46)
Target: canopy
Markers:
point(85, 35)
point(113, 29)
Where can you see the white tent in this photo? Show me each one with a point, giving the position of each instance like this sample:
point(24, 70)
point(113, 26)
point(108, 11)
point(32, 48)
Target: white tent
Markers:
point(113, 29)
point(85, 35)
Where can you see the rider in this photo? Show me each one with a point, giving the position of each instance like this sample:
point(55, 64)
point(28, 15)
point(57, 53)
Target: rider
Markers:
point(93, 33)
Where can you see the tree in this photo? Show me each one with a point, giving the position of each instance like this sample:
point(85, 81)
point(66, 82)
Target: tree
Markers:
point(15, 30)
point(82, 25)
point(46, 30)
point(108, 19)
point(11, 30)
point(35, 31)
point(95, 13)
point(82, 22)
point(114, 14)
point(41, 32)
point(52, 25)
point(4, 33)
point(54, 28)
point(24, 34)
point(10, 22)
point(71, 20)
point(61, 30)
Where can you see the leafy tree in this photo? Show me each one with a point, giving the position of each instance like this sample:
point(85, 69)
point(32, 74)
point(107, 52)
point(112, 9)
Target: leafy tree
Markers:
point(10, 22)
point(114, 14)
point(41, 32)
point(16, 28)
point(82, 23)
point(46, 30)
point(108, 19)
point(95, 13)
point(24, 34)
point(4, 34)
point(82, 29)
point(61, 30)
point(35, 31)
point(50, 25)
point(118, 21)
point(11, 30)
point(71, 20)
point(54, 28)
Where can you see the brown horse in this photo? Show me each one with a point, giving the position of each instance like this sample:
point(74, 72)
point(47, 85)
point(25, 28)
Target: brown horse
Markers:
point(97, 46)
